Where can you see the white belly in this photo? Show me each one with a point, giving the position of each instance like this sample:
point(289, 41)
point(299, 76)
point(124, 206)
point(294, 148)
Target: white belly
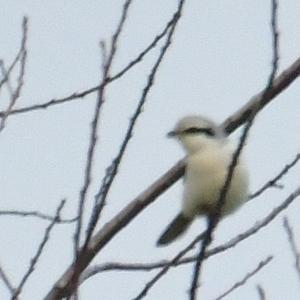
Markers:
point(205, 177)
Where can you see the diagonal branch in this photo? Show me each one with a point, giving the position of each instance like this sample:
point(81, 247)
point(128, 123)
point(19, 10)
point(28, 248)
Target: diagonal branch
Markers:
point(17, 58)
point(166, 268)
point(39, 252)
point(35, 214)
point(6, 75)
point(95, 123)
point(292, 242)
point(240, 283)
point(6, 280)
point(261, 292)
point(273, 181)
point(20, 82)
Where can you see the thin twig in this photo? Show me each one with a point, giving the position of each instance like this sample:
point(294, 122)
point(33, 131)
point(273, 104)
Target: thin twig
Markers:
point(152, 45)
point(214, 218)
point(258, 225)
point(165, 269)
point(9, 70)
point(103, 49)
point(100, 197)
point(16, 94)
point(6, 280)
point(6, 75)
point(80, 95)
point(35, 214)
point(94, 125)
point(52, 102)
point(292, 242)
point(40, 249)
point(240, 283)
point(93, 139)
point(273, 182)
point(261, 292)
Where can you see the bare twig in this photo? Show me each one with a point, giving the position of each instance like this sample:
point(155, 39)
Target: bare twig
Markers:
point(6, 280)
point(103, 49)
point(94, 137)
point(10, 69)
point(214, 218)
point(6, 75)
point(100, 197)
point(261, 292)
point(80, 95)
point(165, 269)
point(52, 102)
point(16, 94)
point(292, 242)
point(240, 283)
point(258, 225)
point(35, 214)
point(152, 45)
point(95, 122)
point(128, 267)
point(40, 249)
point(274, 181)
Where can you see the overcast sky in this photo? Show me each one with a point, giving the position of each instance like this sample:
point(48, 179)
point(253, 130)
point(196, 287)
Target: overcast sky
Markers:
point(220, 57)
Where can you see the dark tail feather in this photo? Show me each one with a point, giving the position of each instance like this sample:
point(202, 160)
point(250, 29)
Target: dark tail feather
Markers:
point(174, 230)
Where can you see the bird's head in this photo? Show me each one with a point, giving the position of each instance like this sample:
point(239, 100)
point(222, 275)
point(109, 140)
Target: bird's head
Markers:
point(196, 132)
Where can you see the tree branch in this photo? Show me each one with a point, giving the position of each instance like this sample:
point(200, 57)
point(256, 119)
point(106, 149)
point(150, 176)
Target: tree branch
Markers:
point(6, 280)
point(82, 94)
point(273, 181)
point(240, 283)
point(95, 123)
point(292, 242)
point(20, 82)
point(35, 214)
point(261, 292)
point(39, 251)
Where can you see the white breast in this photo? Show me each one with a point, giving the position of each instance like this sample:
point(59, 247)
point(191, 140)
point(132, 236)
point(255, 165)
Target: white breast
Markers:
point(205, 176)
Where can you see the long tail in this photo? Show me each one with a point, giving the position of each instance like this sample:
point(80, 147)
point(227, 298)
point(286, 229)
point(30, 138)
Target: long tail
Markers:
point(174, 230)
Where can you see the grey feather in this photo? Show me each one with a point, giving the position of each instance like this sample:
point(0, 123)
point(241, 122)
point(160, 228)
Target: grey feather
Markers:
point(174, 230)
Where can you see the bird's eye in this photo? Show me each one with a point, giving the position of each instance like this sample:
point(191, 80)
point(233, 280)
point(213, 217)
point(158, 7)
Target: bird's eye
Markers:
point(198, 130)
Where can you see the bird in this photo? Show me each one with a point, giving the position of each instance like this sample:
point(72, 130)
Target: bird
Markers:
point(209, 155)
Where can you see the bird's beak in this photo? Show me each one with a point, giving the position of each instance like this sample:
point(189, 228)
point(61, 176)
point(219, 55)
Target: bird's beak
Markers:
point(172, 134)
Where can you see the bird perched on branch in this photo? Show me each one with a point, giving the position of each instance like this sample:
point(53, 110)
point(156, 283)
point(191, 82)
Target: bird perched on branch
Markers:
point(209, 155)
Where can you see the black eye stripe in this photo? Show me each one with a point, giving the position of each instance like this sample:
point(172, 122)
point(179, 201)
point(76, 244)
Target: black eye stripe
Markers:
point(195, 130)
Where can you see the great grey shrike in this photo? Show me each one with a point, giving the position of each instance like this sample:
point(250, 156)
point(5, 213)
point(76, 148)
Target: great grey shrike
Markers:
point(209, 154)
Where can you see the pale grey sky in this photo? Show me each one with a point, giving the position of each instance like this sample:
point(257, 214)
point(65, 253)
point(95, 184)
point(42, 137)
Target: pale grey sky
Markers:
point(220, 57)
